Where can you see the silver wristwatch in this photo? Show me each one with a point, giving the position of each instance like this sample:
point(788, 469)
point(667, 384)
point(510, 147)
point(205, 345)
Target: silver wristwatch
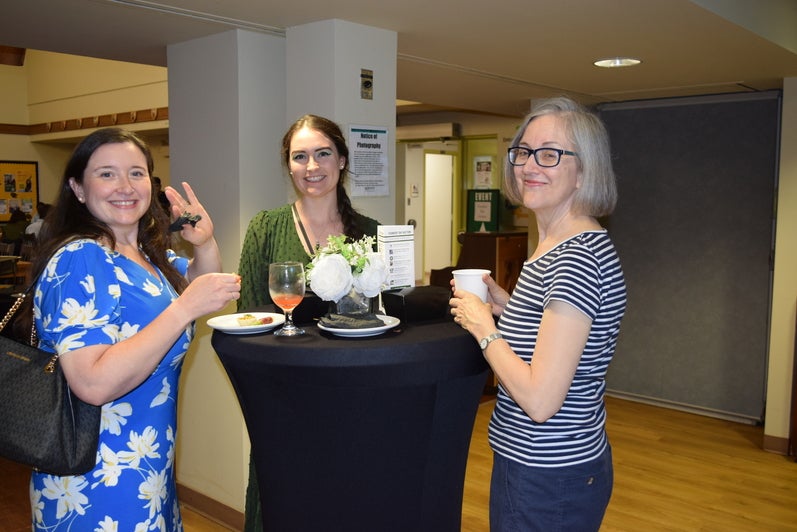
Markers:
point(484, 342)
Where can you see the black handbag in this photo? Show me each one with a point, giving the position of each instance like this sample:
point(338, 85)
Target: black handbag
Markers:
point(42, 423)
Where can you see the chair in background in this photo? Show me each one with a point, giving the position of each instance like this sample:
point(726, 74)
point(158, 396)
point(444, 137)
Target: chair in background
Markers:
point(8, 264)
point(501, 253)
point(26, 251)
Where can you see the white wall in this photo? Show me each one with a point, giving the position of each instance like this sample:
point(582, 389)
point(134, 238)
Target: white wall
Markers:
point(784, 290)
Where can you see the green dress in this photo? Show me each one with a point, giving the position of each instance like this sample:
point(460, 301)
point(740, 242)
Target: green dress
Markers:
point(271, 237)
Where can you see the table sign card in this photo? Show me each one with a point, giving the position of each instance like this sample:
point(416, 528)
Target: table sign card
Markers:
point(397, 244)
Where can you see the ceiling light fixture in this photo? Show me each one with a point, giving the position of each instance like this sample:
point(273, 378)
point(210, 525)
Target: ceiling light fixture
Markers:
point(617, 62)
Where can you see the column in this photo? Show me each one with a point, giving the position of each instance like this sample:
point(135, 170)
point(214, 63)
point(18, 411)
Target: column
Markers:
point(324, 66)
point(226, 119)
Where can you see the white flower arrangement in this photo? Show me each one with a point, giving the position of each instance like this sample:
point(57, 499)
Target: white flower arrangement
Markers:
point(340, 266)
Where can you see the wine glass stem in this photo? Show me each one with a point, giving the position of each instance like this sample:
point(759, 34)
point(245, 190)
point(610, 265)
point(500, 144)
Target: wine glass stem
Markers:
point(288, 319)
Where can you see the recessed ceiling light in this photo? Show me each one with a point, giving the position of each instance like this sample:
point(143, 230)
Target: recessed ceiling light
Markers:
point(616, 62)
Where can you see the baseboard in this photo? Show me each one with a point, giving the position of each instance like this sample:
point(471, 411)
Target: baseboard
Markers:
point(776, 445)
point(691, 409)
point(210, 508)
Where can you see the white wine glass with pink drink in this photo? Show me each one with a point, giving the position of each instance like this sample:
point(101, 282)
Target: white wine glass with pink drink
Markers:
point(286, 286)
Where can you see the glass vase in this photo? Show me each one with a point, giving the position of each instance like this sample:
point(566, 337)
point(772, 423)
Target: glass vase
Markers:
point(353, 303)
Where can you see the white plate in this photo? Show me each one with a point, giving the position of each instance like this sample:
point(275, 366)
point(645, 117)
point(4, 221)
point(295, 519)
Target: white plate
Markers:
point(229, 323)
point(390, 322)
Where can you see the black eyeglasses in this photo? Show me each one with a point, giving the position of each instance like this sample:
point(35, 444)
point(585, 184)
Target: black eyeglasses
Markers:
point(545, 157)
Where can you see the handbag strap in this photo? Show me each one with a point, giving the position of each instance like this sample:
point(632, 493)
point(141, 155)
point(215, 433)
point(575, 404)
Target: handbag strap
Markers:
point(12, 310)
point(15, 306)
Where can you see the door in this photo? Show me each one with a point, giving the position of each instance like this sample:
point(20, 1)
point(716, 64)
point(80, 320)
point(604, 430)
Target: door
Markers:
point(438, 208)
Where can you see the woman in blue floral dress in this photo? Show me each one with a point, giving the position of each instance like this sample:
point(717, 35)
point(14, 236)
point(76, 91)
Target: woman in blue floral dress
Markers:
point(119, 306)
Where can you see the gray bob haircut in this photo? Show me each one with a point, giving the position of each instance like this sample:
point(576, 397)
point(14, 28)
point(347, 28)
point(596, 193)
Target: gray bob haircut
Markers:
point(597, 195)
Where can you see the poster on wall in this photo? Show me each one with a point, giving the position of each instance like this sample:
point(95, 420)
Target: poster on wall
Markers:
point(368, 168)
point(20, 187)
point(483, 210)
point(482, 172)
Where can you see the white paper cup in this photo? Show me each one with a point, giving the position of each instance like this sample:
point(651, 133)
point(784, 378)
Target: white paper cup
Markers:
point(471, 281)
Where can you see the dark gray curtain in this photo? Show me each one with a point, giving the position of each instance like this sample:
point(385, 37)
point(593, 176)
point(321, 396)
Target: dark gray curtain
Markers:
point(694, 230)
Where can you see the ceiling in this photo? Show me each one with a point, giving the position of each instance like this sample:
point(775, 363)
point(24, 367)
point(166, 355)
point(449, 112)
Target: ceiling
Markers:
point(476, 55)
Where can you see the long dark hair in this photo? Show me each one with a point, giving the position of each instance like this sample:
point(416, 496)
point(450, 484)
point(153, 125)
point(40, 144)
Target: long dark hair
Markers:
point(70, 220)
point(329, 129)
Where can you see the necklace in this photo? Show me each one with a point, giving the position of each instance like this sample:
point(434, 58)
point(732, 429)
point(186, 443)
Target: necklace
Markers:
point(304, 232)
point(326, 229)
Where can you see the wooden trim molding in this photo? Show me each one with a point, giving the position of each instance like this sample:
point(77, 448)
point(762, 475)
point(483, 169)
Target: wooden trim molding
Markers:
point(776, 445)
point(12, 56)
point(14, 129)
point(210, 508)
point(89, 122)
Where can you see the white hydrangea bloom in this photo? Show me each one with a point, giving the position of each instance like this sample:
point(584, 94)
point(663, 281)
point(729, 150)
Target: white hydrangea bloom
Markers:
point(331, 278)
point(373, 277)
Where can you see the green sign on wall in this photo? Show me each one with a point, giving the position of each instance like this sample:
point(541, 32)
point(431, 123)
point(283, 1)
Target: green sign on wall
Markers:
point(483, 210)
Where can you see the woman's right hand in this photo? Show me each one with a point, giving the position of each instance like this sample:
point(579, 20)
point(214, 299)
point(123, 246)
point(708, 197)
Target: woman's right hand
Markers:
point(497, 297)
point(209, 293)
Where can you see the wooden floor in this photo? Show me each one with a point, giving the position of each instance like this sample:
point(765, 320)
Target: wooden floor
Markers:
point(674, 471)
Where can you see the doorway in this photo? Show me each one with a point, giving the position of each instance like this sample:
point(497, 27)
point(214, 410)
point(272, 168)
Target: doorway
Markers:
point(438, 210)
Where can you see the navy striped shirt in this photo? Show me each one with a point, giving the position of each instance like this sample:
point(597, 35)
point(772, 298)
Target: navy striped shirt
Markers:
point(583, 271)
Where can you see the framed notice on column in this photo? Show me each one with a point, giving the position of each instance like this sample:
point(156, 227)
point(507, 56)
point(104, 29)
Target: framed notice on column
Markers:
point(20, 187)
point(368, 168)
point(482, 171)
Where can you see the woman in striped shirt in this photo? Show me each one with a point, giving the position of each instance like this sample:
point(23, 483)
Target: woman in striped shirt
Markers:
point(557, 331)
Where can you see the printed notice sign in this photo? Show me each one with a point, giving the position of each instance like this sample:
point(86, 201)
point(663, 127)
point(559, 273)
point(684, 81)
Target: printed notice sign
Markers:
point(368, 165)
point(396, 243)
point(482, 172)
point(482, 211)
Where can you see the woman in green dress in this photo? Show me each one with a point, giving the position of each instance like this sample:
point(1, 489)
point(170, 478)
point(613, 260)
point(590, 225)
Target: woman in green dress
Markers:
point(315, 153)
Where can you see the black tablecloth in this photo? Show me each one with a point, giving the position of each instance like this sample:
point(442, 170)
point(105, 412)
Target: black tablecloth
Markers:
point(358, 434)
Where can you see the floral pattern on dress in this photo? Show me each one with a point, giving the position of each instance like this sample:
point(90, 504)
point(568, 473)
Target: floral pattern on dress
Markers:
point(91, 295)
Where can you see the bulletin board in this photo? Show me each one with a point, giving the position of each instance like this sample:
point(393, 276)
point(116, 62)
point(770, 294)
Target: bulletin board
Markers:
point(20, 189)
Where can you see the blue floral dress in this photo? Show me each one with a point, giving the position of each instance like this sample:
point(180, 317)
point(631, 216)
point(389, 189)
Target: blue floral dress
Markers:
point(91, 295)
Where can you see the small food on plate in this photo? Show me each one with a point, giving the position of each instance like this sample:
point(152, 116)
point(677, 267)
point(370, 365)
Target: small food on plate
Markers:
point(249, 319)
